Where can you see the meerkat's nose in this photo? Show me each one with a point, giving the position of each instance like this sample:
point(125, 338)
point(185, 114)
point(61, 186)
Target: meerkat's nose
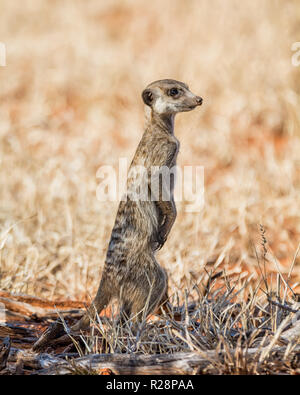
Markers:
point(199, 100)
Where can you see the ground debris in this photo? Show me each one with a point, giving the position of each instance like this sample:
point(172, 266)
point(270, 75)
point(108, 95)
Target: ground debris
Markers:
point(200, 337)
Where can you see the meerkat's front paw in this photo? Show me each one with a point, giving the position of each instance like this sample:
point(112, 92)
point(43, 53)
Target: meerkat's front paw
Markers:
point(161, 238)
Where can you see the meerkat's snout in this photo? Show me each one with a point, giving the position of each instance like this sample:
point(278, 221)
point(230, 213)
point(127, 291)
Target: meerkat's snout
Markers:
point(195, 102)
point(199, 100)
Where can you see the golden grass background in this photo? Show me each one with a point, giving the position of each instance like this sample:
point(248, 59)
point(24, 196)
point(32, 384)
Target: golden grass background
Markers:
point(70, 103)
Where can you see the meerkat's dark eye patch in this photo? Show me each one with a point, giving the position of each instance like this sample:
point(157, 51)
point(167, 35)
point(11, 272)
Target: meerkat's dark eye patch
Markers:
point(173, 92)
point(147, 96)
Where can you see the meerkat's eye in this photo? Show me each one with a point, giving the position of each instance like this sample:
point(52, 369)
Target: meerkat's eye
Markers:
point(173, 92)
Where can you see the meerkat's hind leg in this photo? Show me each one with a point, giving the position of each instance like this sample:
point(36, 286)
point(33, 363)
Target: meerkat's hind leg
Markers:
point(149, 288)
point(124, 314)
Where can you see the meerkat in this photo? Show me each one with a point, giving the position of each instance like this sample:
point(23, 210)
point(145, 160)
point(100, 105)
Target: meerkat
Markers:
point(131, 272)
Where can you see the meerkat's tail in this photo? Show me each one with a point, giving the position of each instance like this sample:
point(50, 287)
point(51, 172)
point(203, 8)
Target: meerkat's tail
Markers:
point(57, 330)
point(101, 300)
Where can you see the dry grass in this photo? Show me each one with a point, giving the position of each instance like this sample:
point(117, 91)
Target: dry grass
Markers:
point(70, 102)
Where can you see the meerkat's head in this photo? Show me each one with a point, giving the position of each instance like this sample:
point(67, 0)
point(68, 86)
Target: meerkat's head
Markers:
point(170, 97)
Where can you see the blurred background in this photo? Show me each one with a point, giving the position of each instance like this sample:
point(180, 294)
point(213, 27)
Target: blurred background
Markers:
point(70, 102)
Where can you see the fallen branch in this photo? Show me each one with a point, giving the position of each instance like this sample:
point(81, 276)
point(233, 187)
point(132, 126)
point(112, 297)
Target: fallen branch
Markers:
point(130, 364)
point(47, 304)
point(292, 334)
point(27, 309)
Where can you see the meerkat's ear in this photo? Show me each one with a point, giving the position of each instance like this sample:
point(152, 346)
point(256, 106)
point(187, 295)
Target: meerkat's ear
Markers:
point(148, 97)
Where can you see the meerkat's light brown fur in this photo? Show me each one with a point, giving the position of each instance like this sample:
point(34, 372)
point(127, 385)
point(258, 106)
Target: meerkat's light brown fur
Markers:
point(131, 272)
